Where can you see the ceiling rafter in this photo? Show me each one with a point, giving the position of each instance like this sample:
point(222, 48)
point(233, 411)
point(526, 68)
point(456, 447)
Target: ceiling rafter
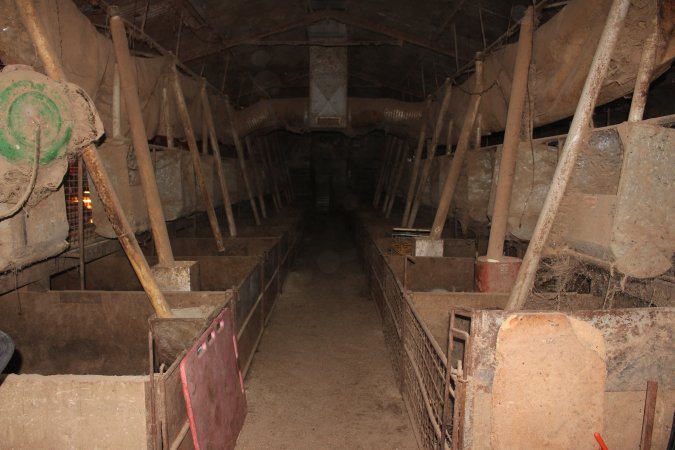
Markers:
point(337, 16)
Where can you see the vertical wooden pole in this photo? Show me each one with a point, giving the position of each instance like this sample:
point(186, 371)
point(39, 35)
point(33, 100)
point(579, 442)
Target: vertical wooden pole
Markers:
point(397, 177)
point(166, 115)
point(97, 171)
point(639, 101)
point(281, 165)
point(381, 179)
point(257, 174)
point(460, 153)
point(196, 160)
point(507, 166)
point(416, 164)
point(648, 415)
point(242, 161)
point(395, 160)
point(568, 157)
point(431, 152)
point(139, 138)
point(211, 129)
point(266, 156)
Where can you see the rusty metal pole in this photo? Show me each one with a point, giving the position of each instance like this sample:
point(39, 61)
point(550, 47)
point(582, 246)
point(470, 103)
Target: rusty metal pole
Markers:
point(460, 153)
point(397, 178)
point(416, 164)
point(568, 157)
point(507, 166)
point(242, 161)
point(139, 138)
point(97, 171)
point(637, 104)
point(383, 171)
point(196, 160)
point(211, 129)
point(80, 220)
point(257, 175)
point(431, 153)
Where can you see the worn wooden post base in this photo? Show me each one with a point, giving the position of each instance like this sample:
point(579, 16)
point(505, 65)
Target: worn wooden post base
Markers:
point(177, 276)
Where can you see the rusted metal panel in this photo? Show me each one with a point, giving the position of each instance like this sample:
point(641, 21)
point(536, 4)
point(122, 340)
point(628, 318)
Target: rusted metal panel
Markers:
point(213, 386)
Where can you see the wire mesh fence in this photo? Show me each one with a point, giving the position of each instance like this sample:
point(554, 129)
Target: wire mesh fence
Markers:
point(72, 199)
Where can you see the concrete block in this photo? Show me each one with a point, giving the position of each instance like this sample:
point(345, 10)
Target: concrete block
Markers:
point(425, 246)
point(178, 276)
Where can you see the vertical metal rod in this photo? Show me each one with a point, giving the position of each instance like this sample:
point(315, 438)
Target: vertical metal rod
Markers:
point(264, 152)
point(180, 32)
point(166, 115)
point(80, 220)
point(129, 90)
point(392, 172)
point(196, 160)
point(211, 128)
point(97, 170)
point(639, 101)
point(116, 104)
point(514, 117)
point(458, 158)
point(416, 163)
point(397, 177)
point(257, 175)
point(578, 130)
point(454, 33)
point(281, 160)
point(431, 151)
point(242, 161)
point(383, 171)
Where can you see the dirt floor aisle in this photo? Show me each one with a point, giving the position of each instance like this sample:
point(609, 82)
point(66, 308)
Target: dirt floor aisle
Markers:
point(322, 378)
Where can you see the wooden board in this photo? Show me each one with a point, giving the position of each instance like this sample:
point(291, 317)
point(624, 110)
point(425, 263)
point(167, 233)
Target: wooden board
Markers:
point(213, 386)
point(549, 385)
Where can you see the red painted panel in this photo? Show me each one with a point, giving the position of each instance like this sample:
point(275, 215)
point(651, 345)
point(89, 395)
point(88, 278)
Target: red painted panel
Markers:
point(213, 386)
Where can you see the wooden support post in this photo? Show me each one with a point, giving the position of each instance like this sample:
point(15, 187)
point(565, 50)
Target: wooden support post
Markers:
point(431, 153)
point(211, 129)
point(507, 166)
point(568, 157)
point(242, 161)
point(648, 415)
point(397, 177)
point(97, 170)
point(257, 175)
point(116, 104)
point(281, 164)
point(139, 139)
point(196, 160)
point(283, 159)
point(460, 153)
point(166, 115)
point(416, 164)
point(398, 145)
point(381, 179)
point(639, 101)
point(265, 149)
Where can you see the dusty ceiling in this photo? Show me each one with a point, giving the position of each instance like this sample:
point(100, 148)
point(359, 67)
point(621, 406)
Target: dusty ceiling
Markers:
point(259, 48)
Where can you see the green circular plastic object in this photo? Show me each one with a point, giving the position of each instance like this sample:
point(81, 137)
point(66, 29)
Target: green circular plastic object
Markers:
point(29, 107)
